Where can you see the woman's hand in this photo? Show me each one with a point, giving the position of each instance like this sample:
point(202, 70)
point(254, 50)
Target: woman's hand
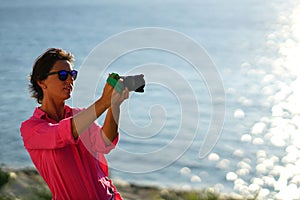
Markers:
point(117, 98)
point(111, 97)
point(107, 95)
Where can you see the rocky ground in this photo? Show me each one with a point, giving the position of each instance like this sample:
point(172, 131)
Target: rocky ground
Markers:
point(28, 184)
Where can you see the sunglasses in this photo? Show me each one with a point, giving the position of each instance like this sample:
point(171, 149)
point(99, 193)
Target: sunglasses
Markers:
point(63, 74)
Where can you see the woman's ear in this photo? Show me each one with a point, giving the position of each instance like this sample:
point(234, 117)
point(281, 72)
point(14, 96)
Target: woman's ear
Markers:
point(42, 84)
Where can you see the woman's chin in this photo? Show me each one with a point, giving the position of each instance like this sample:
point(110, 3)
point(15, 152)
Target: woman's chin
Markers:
point(67, 96)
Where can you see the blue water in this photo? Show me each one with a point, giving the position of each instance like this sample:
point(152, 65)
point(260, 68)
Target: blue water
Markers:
point(252, 44)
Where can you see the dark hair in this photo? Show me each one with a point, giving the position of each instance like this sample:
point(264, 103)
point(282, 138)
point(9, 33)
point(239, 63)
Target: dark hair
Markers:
point(42, 66)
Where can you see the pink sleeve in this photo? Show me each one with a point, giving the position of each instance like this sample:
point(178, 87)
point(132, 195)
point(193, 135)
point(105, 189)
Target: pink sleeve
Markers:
point(94, 142)
point(40, 134)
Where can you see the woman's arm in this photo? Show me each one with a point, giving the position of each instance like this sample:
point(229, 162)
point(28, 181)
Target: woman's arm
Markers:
point(84, 119)
point(109, 98)
point(110, 126)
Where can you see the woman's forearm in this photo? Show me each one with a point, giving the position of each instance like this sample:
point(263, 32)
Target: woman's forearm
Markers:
point(84, 119)
point(110, 126)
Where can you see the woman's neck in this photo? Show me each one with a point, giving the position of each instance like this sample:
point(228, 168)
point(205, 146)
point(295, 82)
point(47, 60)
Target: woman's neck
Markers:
point(54, 109)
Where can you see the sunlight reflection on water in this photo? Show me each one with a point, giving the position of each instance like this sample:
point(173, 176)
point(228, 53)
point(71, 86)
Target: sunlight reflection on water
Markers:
point(274, 176)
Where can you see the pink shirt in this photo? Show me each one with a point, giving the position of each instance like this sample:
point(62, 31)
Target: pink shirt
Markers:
point(73, 169)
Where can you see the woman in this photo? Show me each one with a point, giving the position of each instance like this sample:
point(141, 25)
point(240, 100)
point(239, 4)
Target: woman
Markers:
point(65, 144)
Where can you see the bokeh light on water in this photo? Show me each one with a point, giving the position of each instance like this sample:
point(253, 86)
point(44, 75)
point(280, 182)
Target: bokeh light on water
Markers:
point(274, 171)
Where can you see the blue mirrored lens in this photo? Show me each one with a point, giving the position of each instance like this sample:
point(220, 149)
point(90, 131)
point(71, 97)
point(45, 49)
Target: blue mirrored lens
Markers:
point(63, 75)
point(74, 74)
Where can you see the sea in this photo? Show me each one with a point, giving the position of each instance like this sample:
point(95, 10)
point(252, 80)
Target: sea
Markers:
point(220, 108)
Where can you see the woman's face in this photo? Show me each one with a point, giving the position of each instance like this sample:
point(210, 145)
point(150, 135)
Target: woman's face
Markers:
point(55, 88)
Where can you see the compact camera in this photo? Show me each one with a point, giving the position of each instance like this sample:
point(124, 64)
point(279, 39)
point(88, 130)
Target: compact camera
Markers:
point(133, 83)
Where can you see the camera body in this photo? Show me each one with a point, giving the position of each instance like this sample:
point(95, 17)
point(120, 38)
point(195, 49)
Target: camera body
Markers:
point(133, 83)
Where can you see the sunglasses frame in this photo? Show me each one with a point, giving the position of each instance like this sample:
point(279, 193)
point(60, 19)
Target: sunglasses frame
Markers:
point(73, 73)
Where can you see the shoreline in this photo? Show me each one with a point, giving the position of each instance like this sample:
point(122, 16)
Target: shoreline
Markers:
point(26, 183)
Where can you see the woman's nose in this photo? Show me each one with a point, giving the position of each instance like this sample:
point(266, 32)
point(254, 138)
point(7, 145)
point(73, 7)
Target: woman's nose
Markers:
point(70, 79)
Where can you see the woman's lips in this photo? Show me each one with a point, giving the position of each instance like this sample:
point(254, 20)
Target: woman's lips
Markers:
point(68, 88)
